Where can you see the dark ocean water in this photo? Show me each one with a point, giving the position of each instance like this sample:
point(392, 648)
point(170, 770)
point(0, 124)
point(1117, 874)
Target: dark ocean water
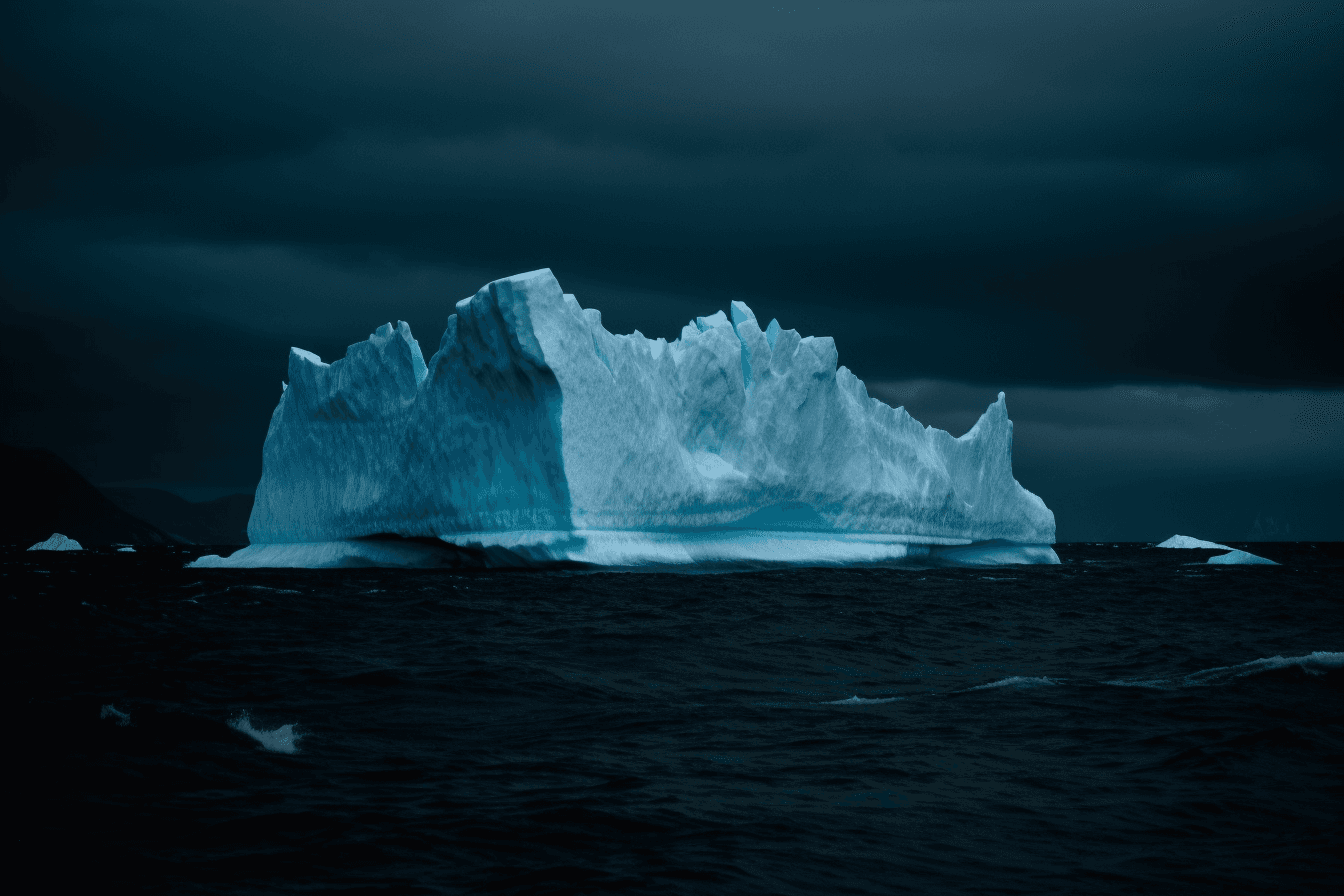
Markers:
point(1129, 722)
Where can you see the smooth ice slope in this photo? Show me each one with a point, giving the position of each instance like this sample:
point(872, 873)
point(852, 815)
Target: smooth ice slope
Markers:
point(534, 435)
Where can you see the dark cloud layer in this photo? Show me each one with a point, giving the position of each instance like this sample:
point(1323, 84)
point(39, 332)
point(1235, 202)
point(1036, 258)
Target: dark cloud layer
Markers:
point(1057, 195)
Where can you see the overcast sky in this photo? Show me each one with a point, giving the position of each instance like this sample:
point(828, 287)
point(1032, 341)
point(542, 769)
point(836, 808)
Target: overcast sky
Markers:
point(1128, 216)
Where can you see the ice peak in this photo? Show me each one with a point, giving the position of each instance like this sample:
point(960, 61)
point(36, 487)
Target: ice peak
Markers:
point(718, 318)
point(741, 313)
point(772, 332)
point(306, 356)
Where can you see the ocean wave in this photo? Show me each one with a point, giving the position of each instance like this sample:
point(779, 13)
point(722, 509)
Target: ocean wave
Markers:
point(1017, 681)
point(277, 740)
point(1317, 663)
point(855, 701)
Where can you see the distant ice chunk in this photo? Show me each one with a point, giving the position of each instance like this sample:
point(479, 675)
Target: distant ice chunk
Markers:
point(57, 542)
point(1185, 541)
point(1239, 558)
point(1233, 557)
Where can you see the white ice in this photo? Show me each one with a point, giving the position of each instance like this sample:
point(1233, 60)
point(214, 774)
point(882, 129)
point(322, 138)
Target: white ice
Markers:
point(533, 435)
point(1233, 557)
point(1241, 558)
point(57, 542)
point(1185, 541)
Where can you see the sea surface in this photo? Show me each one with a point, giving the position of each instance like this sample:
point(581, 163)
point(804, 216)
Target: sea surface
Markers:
point(1131, 721)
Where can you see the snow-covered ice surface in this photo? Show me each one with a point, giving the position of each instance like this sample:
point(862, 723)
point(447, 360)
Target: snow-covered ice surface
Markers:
point(57, 542)
point(1185, 541)
point(535, 436)
point(1241, 558)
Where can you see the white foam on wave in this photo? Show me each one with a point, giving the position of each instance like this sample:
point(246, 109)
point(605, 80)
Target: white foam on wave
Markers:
point(277, 740)
point(111, 712)
point(1018, 682)
point(856, 701)
point(1316, 663)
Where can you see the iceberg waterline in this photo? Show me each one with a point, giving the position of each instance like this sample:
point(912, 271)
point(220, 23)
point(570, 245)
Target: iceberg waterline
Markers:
point(535, 436)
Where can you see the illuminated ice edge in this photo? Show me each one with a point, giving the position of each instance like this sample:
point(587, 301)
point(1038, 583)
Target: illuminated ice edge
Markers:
point(630, 550)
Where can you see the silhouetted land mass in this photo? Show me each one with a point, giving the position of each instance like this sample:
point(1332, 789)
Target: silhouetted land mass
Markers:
point(222, 521)
point(44, 494)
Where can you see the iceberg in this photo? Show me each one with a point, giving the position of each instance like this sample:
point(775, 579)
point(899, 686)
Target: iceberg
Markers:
point(1232, 557)
point(1240, 558)
point(533, 436)
point(1185, 541)
point(57, 542)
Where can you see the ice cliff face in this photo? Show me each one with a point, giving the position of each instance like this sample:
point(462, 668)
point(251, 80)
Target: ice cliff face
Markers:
point(532, 418)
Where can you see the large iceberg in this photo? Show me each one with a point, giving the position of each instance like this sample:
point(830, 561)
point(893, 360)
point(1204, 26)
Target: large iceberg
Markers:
point(534, 436)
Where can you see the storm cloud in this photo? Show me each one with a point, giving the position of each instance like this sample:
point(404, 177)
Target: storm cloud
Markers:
point(1052, 196)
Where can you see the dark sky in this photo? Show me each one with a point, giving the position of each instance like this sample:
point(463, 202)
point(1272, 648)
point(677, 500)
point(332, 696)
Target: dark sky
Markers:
point(1128, 216)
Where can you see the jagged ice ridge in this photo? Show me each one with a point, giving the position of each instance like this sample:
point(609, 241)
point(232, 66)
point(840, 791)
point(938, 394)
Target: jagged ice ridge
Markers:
point(535, 436)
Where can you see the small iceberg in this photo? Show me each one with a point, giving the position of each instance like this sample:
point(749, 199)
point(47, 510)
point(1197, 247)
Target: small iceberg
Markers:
point(1234, 557)
point(1185, 541)
point(1241, 558)
point(57, 542)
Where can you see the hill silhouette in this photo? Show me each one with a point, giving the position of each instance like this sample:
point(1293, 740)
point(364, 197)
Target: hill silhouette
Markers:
point(221, 521)
point(44, 495)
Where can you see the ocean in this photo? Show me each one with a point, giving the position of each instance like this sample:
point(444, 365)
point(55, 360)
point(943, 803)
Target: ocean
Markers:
point(1131, 721)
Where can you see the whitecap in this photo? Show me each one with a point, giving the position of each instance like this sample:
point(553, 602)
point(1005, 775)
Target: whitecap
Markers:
point(1316, 663)
point(1017, 681)
point(111, 712)
point(277, 740)
point(855, 701)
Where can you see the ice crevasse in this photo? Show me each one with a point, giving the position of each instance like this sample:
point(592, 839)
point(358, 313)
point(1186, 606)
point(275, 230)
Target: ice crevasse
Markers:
point(533, 436)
